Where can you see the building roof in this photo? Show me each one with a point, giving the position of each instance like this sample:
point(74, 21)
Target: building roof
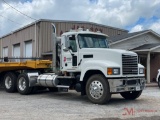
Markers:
point(47, 20)
point(120, 37)
point(147, 47)
point(123, 37)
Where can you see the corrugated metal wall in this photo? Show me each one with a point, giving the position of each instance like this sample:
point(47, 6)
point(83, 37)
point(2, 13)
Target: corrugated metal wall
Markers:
point(45, 43)
point(66, 26)
point(18, 37)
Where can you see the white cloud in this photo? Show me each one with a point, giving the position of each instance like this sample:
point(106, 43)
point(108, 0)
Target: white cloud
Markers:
point(137, 28)
point(155, 26)
point(117, 13)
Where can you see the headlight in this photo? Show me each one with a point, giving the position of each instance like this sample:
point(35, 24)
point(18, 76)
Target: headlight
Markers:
point(141, 70)
point(113, 71)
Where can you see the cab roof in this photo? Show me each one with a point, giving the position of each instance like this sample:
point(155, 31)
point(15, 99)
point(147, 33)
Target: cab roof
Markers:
point(80, 31)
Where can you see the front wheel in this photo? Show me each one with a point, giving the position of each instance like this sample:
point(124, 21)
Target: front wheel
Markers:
point(131, 95)
point(23, 84)
point(97, 89)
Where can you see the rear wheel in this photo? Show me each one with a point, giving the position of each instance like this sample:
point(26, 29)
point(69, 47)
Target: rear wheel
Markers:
point(131, 95)
point(97, 89)
point(10, 79)
point(23, 84)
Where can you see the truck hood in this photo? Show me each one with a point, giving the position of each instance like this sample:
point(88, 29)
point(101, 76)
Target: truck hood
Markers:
point(106, 51)
point(113, 55)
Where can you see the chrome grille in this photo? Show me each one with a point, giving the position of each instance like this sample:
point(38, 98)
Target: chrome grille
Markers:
point(129, 65)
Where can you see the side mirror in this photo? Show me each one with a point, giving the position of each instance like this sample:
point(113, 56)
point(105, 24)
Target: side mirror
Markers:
point(65, 49)
point(67, 44)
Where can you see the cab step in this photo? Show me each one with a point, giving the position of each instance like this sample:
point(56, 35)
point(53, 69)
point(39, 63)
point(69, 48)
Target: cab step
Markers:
point(62, 88)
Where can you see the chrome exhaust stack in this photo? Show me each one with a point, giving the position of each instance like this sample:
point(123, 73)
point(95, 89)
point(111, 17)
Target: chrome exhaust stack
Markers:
point(54, 49)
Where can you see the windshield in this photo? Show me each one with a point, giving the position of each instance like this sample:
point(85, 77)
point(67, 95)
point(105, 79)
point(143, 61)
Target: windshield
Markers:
point(92, 41)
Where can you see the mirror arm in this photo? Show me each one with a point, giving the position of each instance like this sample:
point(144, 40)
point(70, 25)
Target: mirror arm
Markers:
point(71, 52)
point(67, 49)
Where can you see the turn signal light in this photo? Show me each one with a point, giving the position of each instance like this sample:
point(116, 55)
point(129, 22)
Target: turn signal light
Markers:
point(109, 71)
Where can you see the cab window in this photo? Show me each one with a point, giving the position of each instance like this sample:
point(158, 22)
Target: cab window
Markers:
point(72, 43)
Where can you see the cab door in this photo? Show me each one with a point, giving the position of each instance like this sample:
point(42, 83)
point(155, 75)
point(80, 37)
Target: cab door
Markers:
point(69, 54)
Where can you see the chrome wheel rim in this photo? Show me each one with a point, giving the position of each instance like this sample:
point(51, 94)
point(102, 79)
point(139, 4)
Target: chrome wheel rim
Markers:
point(22, 84)
point(96, 89)
point(8, 82)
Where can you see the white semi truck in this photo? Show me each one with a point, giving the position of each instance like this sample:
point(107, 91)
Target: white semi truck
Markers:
point(83, 61)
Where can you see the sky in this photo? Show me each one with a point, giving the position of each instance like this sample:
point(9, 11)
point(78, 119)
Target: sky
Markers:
point(132, 15)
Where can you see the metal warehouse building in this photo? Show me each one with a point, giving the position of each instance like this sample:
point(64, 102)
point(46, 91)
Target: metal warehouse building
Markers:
point(35, 40)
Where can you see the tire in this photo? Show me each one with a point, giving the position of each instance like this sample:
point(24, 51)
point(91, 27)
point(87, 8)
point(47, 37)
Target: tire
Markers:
point(23, 84)
point(97, 89)
point(53, 89)
point(10, 82)
point(131, 95)
point(1, 80)
point(159, 82)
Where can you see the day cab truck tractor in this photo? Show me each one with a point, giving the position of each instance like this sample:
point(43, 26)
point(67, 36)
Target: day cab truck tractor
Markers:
point(83, 61)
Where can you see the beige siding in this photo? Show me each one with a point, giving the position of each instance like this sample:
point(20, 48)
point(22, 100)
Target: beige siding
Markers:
point(18, 37)
point(46, 37)
point(66, 26)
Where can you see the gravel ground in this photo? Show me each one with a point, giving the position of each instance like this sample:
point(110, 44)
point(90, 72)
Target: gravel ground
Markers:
point(45, 105)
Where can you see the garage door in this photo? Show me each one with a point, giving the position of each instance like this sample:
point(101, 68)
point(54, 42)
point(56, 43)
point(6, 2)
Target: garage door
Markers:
point(16, 52)
point(28, 49)
point(5, 52)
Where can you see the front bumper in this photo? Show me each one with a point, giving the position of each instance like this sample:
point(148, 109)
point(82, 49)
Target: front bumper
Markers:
point(126, 84)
